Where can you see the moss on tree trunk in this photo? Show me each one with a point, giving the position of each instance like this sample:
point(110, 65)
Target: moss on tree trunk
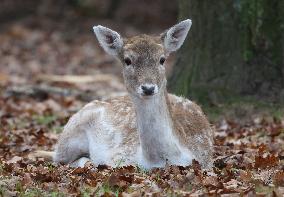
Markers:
point(234, 48)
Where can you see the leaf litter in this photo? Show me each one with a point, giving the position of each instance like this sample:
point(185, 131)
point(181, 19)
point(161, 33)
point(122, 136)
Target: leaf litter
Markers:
point(248, 159)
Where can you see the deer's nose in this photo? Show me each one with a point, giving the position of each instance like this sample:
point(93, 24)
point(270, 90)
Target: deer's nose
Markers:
point(148, 90)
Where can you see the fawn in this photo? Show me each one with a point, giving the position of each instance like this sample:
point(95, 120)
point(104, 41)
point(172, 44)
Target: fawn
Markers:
point(150, 127)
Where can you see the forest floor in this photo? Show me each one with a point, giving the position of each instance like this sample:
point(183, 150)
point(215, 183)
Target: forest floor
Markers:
point(36, 103)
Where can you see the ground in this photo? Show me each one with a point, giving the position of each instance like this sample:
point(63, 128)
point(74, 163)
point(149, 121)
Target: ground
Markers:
point(36, 104)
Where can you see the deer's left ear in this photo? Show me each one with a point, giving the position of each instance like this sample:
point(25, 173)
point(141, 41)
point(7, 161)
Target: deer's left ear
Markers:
point(110, 40)
point(175, 36)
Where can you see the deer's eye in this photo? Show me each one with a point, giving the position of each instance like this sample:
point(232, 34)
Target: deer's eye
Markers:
point(162, 60)
point(127, 61)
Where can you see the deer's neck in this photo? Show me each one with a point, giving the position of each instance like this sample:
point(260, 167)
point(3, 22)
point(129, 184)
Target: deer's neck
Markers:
point(155, 127)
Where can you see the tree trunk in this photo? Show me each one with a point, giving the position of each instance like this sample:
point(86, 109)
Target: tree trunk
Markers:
point(234, 48)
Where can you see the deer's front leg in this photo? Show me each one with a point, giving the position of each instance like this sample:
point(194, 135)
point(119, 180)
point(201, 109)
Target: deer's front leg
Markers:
point(71, 148)
point(73, 144)
point(80, 162)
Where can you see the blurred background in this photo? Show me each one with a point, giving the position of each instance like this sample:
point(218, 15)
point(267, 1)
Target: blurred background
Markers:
point(232, 62)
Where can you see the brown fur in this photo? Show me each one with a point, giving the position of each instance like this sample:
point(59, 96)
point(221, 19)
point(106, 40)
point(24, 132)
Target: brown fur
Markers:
point(165, 127)
point(191, 125)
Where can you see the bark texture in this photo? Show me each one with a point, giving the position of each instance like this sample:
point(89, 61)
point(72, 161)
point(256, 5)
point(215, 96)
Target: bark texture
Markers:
point(234, 48)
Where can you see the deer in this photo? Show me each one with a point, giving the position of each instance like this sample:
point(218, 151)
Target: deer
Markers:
point(149, 127)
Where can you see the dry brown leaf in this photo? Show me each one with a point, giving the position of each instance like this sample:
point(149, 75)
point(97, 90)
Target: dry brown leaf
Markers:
point(266, 161)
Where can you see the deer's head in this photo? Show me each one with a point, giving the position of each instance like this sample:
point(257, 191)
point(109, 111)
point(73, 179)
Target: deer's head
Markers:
point(143, 57)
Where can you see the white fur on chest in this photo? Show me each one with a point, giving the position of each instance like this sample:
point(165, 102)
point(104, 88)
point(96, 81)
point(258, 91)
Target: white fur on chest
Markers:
point(106, 141)
point(157, 137)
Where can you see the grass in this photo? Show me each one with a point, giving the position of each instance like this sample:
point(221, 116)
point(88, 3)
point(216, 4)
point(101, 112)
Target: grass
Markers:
point(219, 102)
point(1, 166)
point(19, 188)
point(33, 192)
point(2, 190)
point(86, 192)
point(50, 166)
point(30, 192)
point(263, 190)
point(36, 192)
point(189, 187)
point(57, 129)
point(44, 119)
point(140, 169)
point(105, 189)
point(56, 194)
point(119, 163)
point(243, 108)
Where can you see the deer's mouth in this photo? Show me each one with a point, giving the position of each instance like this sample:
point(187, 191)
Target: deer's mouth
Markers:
point(148, 96)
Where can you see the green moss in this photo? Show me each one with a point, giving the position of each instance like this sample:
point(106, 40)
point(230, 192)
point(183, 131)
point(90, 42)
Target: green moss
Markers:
point(261, 21)
point(243, 108)
point(238, 51)
point(251, 17)
point(209, 95)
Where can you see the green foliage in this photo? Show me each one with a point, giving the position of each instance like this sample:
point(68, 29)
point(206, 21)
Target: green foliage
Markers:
point(44, 119)
point(105, 189)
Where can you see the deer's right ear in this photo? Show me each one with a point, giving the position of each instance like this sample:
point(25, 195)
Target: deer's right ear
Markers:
point(110, 40)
